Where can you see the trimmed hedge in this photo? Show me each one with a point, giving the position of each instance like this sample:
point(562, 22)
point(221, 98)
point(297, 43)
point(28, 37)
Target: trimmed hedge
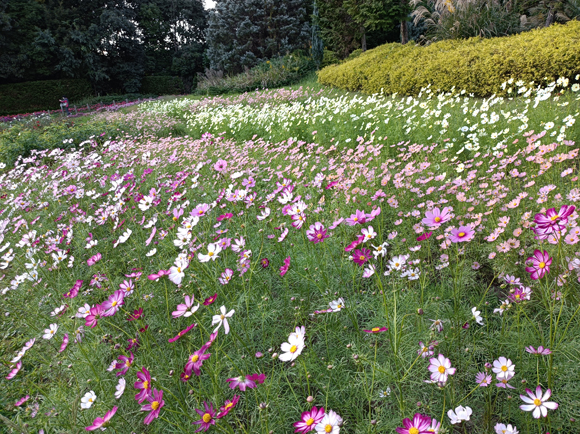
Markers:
point(162, 85)
point(41, 95)
point(479, 66)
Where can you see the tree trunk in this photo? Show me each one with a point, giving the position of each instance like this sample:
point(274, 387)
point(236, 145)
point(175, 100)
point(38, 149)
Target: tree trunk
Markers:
point(363, 41)
point(551, 17)
point(404, 32)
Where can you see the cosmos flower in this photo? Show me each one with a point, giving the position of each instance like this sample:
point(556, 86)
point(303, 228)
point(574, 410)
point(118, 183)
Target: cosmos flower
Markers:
point(155, 405)
point(538, 264)
point(222, 318)
point(293, 348)
point(330, 423)
point(181, 333)
point(541, 351)
point(187, 309)
point(537, 402)
point(284, 268)
point(228, 406)
point(361, 256)
point(102, 422)
point(88, 400)
point(419, 425)
point(461, 234)
point(208, 417)
point(308, 420)
point(316, 233)
point(143, 384)
point(440, 368)
point(436, 217)
point(112, 305)
point(459, 415)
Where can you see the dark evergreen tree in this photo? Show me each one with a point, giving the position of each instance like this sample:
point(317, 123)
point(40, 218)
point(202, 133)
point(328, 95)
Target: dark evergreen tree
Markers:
point(339, 31)
point(317, 45)
point(243, 33)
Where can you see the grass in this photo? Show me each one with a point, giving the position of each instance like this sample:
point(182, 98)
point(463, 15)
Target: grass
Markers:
point(368, 153)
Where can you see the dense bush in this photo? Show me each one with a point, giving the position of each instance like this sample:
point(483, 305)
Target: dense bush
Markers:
point(272, 73)
point(40, 95)
point(162, 85)
point(479, 66)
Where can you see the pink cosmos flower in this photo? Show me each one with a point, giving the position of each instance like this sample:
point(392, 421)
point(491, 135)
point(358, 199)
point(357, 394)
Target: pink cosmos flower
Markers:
point(436, 217)
point(361, 256)
point(134, 342)
point(112, 305)
point(200, 210)
point(359, 217)
point(316, 233)
point(419, 425)
point(540, 264)
point(355, 243)
point(127, 287)
point(226, 276)
point(155, 405)
point(64, 343)
point(538, 403)
point(182, 332)
point(220, 165)
point(94, 315)
point(101, 422)
point(137, 313)
point(124, 363)
point(187, 309)
point(21, 401)
point(14, 371)
point(461, 234)
point(143, 384)
point(210, 300)
point(440, 368)
point(541, 351)
point(225, 216)
point(284, 268)
point(207, 417)
point(228, 406)
point(94, 259)
point(249, 381)
point(160, 273)
point(309, 420)
point(483, 379)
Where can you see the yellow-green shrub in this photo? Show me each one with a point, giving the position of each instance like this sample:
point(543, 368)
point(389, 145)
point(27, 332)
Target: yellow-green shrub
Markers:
point(479, 66)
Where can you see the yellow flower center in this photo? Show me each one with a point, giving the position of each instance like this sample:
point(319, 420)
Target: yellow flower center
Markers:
point(194, 358)
point(128, 363)
point(114, 304)
point(339, 306)
point(222, 317)
point(361, 258)
point(309, 422)
point(328, 428)
point(293, 348)
point(555, 217)
point(210, 254)
point(504, 368)
point(375, 329)
point(228, 405)
point(90, 399)
point(146, 384)
point(537, 402)
point(155, 405)
point(542, 264)
point(425, 349)
point(319, 236)
point(441, 369)
point(461, 234)
point(413, 430)
point(206, 417)
point(356, 220)
point(437, 219)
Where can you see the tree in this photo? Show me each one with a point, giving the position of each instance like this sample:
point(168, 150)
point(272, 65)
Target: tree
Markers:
point(243, 33)
point(316, 43)
point(339, 31)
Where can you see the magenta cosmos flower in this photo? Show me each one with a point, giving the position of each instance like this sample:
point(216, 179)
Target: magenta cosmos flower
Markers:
point(316, 233)
point(540, 264)
point(101, 422)
point(220, 165)
point(361, 256)
point(554, 220)
point(143, 384)
point(309, 420)
point(228, 406)
point(358, 218)
point(541, 351)
point(155, 405)
point(195, 361)
point(425, 236)
point(284, 268)
point(436, 217)
point(94, 259)
point(95, 313)
point(419, 425)
point(538, 403)
point(376, 330)
point(182, 332)
point(207, 417)
point(124, 363)
point(461, 234)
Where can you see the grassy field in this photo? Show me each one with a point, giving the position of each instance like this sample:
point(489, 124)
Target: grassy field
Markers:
point(230, 263)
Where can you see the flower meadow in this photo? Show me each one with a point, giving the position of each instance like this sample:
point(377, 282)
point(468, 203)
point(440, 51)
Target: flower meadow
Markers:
point(299, 261)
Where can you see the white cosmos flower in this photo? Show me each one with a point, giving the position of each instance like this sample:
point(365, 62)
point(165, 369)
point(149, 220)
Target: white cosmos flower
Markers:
point(88, 400)
point(369, 233)
point(293, 347)
point(125, 236)
point(476, 315)
point(265, 214)
point(213, 249)
point(461, 413)
point(50, 331)
point(538, 403)
point(222, 318)
point(337, 305)
point(176, 273)
point(151, 252)
point(330, 423)
point(120, 388)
